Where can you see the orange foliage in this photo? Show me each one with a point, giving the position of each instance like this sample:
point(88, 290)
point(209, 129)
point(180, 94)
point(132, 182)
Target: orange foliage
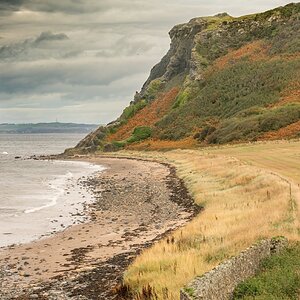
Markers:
point(289, 95)
point(254, 51)
point(286, 132)
point(152, 145)
point(147, 116)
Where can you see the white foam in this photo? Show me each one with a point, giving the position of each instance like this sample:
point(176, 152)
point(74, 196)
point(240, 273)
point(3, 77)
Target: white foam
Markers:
point(4, 153)
point(58, 185)
point(53, 202)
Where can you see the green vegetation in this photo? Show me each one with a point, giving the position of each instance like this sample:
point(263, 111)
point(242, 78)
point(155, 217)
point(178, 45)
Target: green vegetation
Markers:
point(283, 34)
point(244, 85)
point(119, 144)
point(238, 79)
point(206, 131)
point(132, 109)
point(278, 279)
point(182, 98)
point(215, 21)
point(153, 89)
point(151, 93)
point(251, 127)
point(190, 291)
point(139, 134)
point(238, 97)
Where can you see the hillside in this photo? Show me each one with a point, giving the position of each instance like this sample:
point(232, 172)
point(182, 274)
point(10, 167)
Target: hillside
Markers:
point(224, 80)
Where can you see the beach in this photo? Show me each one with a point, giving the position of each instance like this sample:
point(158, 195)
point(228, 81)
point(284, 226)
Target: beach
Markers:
point(137, 202)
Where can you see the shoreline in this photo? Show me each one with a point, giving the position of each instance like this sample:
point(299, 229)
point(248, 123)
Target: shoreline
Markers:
point(64, 204)
point(88, 260)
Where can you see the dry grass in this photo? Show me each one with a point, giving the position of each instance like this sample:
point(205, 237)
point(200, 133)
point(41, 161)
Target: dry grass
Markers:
point(161, 145)
point(257, 50)
point(289, 131)
point(249, 192)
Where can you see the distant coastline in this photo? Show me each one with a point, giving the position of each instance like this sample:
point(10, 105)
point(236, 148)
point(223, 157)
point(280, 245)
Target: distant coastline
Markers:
point(54, 127)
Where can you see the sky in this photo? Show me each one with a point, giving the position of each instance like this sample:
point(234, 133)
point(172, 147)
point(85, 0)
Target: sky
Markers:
point(83, 60)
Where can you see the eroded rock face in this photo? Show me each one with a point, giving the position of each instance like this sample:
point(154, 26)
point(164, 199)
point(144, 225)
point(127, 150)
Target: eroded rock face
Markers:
point(92, 140)
point(195, 48)
point(217, 35)
point(179, 58)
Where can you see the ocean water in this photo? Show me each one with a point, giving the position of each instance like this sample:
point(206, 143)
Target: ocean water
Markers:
point(38, 198)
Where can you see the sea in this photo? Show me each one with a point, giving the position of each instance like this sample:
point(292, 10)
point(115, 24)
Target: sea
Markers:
point(40, 197)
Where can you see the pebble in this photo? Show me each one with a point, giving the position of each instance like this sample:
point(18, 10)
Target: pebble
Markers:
point(136, 220)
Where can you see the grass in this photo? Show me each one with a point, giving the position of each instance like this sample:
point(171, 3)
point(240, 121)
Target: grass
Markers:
point(239, 97)
point(249, 192)
point(278, 278)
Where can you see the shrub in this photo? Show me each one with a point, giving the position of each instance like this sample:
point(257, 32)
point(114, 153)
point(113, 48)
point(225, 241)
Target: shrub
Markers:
point(119, 144)
point(278, 278)
point(139, 134)
point(132, 109)
point(206, 131)
point(182, 98)
point(154, 87)
point(251, 127)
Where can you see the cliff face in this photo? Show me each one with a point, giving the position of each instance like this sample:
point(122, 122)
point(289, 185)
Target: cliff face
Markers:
point(223, 80)
point(178, 60)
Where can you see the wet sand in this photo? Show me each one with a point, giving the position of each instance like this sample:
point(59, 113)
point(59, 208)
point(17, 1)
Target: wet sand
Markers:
point(137, 203)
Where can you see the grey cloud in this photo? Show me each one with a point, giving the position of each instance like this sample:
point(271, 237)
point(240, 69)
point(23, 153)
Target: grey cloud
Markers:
point(7, 5)
point(65, 77)
point(72, 54)
point(25, 50)
point(49, 36)
point(91, 55)
point(67, 6)
point(127, 46)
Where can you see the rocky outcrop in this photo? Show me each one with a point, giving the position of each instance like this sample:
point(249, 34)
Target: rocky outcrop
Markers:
point(213, 62)
point(178, 60)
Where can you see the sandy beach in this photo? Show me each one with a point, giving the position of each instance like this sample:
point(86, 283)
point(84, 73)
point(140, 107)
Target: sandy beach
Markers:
point(137, 202)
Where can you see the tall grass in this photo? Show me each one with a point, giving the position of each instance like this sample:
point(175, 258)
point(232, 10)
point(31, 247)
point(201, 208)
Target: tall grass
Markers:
point(242, 205)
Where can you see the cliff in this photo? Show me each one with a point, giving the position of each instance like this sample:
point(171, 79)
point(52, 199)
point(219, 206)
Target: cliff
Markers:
point(223, 80)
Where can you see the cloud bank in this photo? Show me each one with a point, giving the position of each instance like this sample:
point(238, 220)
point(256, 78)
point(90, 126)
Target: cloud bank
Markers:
point(82, 61)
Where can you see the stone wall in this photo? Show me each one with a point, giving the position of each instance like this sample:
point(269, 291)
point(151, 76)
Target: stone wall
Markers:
point(220, 282)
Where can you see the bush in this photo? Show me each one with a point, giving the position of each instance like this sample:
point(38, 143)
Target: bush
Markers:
point(278, 278)
point(119, 144)
point(154, 87)
point(139, 134)
point(249, 128)
point(207, 130)
point(132, 109)
point(247, 289)
point(182, 98)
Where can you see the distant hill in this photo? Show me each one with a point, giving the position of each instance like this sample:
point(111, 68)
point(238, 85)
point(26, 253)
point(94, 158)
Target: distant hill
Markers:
point(54, 127)
point(224, 80)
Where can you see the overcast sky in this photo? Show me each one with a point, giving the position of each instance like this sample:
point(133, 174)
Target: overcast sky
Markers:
point(83, 60)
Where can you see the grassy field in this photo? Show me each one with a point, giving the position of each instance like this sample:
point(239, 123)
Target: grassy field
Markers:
point(278, 279)
point(249, 192)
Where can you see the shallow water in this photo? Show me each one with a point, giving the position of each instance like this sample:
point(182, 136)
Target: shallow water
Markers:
point(39, 197)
